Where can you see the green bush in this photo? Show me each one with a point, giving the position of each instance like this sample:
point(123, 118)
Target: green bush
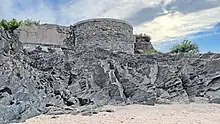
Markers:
point(4, 24)
point(185, 47)
point(150, 52)
point(29, 22)
point(14, 24)
point(1, 27)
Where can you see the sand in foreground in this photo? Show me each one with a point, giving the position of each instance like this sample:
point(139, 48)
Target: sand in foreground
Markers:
point(140, 114)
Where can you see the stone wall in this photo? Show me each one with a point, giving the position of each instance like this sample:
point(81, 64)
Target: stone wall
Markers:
point(109, 34)
point(142, 44)
point(42, 34)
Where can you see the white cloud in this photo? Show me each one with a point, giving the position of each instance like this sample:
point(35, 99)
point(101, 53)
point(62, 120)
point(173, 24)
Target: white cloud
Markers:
point(172, 23)
point(175, 25)
point(120, 9)
point(101, 8)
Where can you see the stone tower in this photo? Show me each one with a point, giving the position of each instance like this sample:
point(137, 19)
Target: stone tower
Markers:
point(110, 34)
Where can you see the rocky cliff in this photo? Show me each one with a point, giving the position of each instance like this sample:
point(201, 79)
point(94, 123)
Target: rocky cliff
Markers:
point(55, 81)
point(142, 44)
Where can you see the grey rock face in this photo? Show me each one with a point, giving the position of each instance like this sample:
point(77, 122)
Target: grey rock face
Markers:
point(9, 43)
point(51, 80)
point(142, 44)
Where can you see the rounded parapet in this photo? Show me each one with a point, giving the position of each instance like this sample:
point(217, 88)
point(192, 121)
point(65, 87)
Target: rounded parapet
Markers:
point(106, 33)
point(102, 19)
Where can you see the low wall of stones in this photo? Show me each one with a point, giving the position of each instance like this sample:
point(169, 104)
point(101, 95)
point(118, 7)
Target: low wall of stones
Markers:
point(110, 34)
point(42, 34)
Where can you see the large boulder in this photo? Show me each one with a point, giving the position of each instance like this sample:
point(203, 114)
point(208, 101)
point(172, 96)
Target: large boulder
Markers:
point(9, 43)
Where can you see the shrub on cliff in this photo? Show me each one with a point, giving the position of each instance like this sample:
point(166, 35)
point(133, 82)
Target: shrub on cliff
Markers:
point(4, 24)
point(1, 27)
point(14, 24)
point(150, 52)
point(11, 25)
point(185, 47)
point(29, 22)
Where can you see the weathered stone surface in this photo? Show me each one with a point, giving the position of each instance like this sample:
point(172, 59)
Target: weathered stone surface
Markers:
point(142, 44)
point(110, 34)
point(58, 80)
point(9, 44)
point(35, 80)
point(42, 34)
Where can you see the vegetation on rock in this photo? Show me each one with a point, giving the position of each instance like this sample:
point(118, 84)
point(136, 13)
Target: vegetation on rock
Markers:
point(185, 47)
point(29, 22)
point(150, 52)
point(14, 24)
point(1, 28)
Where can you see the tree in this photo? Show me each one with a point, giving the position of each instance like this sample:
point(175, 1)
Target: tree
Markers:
point(13, 24)
point(4, 24)
point(185, 47)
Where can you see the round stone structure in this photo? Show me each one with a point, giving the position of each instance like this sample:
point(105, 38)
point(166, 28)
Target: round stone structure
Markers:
point(107, 33)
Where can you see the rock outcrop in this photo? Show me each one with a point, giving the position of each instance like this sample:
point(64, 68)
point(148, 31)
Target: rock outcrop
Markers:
point(142, 44)
point(47, 80)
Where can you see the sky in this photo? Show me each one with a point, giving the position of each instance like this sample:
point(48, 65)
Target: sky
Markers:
point(168, 22)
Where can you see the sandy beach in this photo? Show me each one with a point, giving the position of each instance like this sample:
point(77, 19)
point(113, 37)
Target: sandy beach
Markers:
point(141, 114)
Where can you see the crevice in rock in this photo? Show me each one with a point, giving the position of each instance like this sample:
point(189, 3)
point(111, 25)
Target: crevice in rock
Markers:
point(214, 81)
point(84, 102)
point(71, 78)
point(115, 80)
point(6, 89)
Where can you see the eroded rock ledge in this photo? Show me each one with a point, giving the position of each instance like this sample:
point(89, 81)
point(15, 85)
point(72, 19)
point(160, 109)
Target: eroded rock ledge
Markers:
point(58, 80)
